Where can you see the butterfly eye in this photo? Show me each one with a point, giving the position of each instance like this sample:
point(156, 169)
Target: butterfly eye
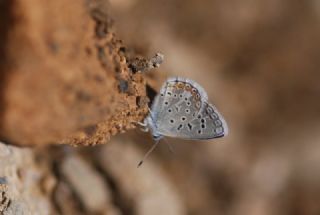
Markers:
point(180, 95)
point(171, 121)
point(203, 126)
point(169, 93)
point(199, 131)
point(169, 110)
point(166, 103)
point(203, 120)
point(161, 94)
point(187, 110)
point(175, 95)
point(183, 118)
point(188, 103)
point(186, 99)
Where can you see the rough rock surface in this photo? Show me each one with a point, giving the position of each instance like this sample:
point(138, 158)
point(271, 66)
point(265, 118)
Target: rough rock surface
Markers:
point(73, 181)
point(24, 186)
point(64, 76)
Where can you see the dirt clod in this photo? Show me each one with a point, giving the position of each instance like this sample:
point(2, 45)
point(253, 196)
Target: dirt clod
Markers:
point(62, 75)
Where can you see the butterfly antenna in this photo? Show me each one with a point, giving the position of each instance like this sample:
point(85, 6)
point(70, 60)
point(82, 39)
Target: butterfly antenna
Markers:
point(148, 153)
point(169, 146)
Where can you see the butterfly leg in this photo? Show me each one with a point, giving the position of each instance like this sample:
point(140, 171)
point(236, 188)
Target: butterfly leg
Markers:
point(169, 146)
point(150, 111)
point(143, 126)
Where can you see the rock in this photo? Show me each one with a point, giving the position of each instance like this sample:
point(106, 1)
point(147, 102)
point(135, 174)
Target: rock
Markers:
point(87, 183)
point(58, 76)
point(146, 190)
point(20, 183)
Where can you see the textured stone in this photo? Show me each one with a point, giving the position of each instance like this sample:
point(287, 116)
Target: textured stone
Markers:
point(20, 184)
point(59, 75)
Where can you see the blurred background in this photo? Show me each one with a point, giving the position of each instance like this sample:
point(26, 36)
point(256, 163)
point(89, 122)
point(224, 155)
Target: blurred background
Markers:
point(259, 62)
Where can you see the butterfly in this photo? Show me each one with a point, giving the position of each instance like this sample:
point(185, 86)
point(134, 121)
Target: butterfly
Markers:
point(181, 110)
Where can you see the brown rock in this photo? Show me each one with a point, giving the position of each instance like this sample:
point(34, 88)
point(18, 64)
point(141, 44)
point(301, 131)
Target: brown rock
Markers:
point(60, 76)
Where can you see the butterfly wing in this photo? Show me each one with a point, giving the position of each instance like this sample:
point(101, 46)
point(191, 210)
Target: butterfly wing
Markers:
point(171, 94)
point(181, 108)
point(208, 124)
